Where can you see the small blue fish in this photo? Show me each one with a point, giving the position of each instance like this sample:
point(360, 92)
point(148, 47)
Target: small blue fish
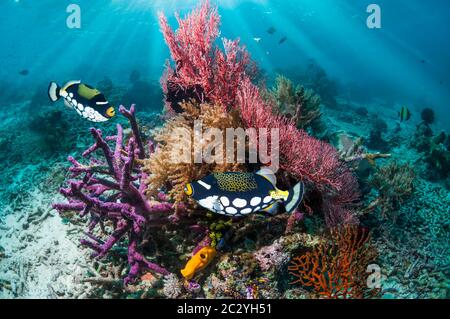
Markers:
point(240, 194)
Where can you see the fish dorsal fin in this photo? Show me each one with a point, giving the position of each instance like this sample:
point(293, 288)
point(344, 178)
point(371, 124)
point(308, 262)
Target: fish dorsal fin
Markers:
point(268, 174)
point(68, 84)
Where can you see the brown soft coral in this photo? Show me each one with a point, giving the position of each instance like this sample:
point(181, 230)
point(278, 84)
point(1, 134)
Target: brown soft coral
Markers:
point(164, 172)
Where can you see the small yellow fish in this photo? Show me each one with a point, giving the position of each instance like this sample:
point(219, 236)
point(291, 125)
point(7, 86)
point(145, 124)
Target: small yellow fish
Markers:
point(198, 262)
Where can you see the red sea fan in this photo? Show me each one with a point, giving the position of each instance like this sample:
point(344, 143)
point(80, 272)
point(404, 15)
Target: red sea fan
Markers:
point(203, 71)
point(303, 156)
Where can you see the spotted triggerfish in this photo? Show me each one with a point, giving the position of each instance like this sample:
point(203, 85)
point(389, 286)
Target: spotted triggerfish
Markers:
point(198, 262)
point(89, 102)
point(240, 194)
point(404, 114)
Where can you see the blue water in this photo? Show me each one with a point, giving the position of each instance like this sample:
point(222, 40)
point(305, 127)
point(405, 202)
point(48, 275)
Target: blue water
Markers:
point(370, 74)
point(406, 61)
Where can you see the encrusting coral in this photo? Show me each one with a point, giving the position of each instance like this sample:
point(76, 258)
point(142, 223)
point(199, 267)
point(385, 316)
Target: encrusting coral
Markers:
point(336, 269)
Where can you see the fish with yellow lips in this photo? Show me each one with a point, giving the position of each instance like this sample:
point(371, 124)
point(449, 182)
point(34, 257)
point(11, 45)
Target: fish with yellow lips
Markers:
point(89, 102)
point(198, 262)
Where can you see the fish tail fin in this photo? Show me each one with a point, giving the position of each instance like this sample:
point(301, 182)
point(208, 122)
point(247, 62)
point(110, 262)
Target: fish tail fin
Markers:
point(295, 197)
point(53, 91)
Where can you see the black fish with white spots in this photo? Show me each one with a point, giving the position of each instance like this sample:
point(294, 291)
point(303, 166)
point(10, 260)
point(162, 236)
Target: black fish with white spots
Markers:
point(89, 102)
point(240, 194)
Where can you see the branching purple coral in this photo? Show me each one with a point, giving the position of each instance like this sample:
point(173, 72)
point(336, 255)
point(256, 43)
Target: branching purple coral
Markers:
point(110, 191)
point(129, 114)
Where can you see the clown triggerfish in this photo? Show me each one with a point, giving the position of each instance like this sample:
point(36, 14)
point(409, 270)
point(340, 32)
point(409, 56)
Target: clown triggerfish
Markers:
point(239, 194)
point(87, 101)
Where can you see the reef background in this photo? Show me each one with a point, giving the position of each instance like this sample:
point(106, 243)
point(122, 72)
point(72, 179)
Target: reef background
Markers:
point(355, 79)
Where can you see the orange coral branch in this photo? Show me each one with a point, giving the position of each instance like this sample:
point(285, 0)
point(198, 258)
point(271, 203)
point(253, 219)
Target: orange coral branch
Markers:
point(336, 269)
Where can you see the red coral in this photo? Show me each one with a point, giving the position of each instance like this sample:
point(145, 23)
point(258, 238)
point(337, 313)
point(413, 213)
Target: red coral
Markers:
point(303, 156)
point(203, 71)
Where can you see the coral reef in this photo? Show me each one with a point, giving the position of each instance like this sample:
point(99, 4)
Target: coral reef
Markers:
point(203, 72)
point(125, 198)
point(297, 103)
point(414, 250)
point(110, 192)
point(225, 80)
point(304, 157)
point(336, 269)
point(271, 257)
point(166, 171)
point(394, 183)
point(352, 151)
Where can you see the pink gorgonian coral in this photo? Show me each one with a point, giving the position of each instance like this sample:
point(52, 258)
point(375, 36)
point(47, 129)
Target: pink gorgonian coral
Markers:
point(203, 71)
point(303, 156)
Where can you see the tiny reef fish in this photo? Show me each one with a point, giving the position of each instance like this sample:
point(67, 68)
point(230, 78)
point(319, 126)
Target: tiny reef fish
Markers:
point(404, 114)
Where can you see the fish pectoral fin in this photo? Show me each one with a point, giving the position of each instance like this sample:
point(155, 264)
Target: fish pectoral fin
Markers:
point(272, 209)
